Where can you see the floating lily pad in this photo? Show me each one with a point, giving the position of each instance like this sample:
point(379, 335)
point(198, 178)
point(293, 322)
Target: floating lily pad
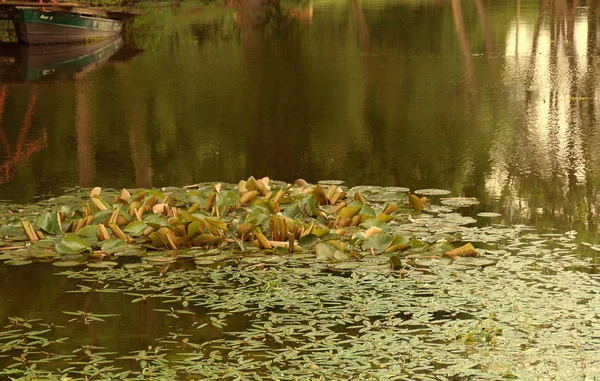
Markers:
point(475, 261)
point(489, 214)
point(138, 266)
point(204, 262)
point(16, 262)
point(160, 259)
point(6, 256)
point(102, 264)
point(459, 202)
point(136, 228)
point(72, 244)
point(112, 245)
point(428, 261)
point(331, 182)
point(66, 263)
point(432, 192)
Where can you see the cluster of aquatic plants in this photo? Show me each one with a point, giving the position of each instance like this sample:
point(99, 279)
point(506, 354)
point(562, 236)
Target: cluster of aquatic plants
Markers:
point(335, 224)
point(230, 307)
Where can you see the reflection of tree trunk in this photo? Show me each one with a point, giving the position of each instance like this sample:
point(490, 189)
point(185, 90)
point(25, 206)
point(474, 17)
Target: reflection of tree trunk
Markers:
point(139, 149)
point(517, 24)
point(87, 307)
point(26, 124)
point(146, 322)
point(466, 51)
point(251, 16)
point(574, 111)
point(85, 139)
point(534, 48)
point(592, 118)
point(487, 34)
point(592, 23)
point(3, 139)
point(364, 32)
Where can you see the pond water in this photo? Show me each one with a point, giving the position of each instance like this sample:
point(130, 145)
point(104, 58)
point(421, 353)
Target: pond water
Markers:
point(496, 100)
point(493, 100)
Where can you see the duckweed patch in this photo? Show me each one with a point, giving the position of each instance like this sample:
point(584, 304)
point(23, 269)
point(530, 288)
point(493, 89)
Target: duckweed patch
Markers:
point(298, 282)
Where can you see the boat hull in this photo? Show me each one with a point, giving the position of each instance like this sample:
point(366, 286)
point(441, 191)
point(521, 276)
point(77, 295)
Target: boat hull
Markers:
point(36, 26)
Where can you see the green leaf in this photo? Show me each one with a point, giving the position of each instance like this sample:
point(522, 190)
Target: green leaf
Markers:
point(90, 231)
point(308, 205)
point(50, 223)
point(324, 251)
point(72, 244)
point(375, 222)
point(225, 200)
point(367, 210)
point(379, 242)
point(136, 228)
point(155, 220)
point(110, 246)
point(102, 216)
point(192, 228)
point(308, 241)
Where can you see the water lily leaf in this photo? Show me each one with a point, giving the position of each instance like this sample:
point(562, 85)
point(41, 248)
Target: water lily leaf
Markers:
point(66, 263)
point(331, 182)
point(136, 228)
point(160, 259)
point(367, 210)
point(384, 217)
point(415, 202)
point(192, 228)
point(395, 262)
point(375, 222)
point(428, 261)
point(155, 220)
point(340, 255)
point(50, 223)
point(308, 206)
point(308, 241)
point(90, 231)
point(432, 192)
point(324, 251)
point(16, 262)
point(440, 246)
point(466, 250)
point(475, 261)
point(489, 214)
point(398, 243)
point(320, 230)
point(102, 216)
point(225, 201)
point(205, 239)
point(379, 242)
point(459, 202)
point(217, 223)
point(102, 264)
point(72, 244)
point(350, 210)
point(111, 245)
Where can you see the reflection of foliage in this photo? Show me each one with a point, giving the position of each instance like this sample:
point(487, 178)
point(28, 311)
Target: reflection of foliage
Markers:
point(386, 104)
point(7, 31)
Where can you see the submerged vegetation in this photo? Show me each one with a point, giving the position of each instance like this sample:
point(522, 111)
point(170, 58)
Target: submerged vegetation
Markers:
point(266, 280)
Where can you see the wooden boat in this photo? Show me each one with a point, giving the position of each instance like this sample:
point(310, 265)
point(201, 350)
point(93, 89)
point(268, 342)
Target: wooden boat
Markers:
point(35, 25)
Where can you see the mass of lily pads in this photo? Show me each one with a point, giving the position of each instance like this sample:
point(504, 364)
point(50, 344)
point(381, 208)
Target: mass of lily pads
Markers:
point(162, 225)
point(275, 281)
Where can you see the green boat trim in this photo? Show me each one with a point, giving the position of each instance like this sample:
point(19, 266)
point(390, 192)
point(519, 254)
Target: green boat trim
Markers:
point(38, 26)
